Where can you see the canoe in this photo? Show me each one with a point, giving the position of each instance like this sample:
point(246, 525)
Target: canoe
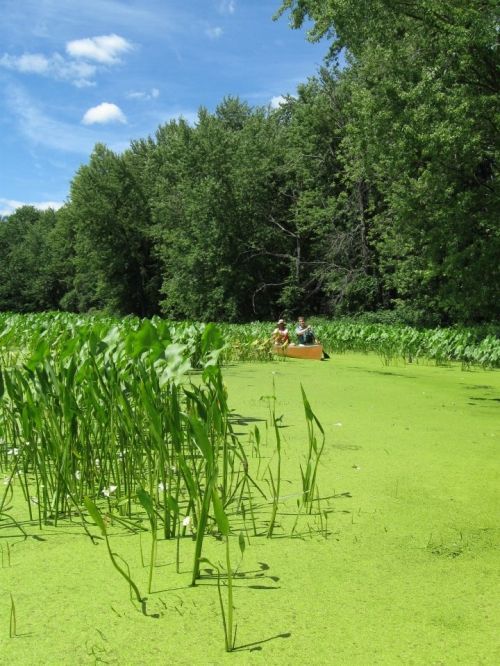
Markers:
point(299, 351)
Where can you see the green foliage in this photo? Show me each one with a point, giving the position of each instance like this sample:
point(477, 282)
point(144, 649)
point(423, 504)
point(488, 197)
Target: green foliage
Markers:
point(420, 97)
point(104, 419)
point(374, 188)
point(114, 269)
point(28, 279)
point(392, 340)
point(212, 208)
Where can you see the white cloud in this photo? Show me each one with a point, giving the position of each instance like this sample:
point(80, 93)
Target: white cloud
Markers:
point(277, 101)
point(55, 66)
point(76, 69)
point(79, 73)
point(104, 49)
point(227, 6)
point(8, 206)
point(135, 94)
point(214, 33)
point(154, 93)
point(35, 63)
point(104, 113)
point(43, 130)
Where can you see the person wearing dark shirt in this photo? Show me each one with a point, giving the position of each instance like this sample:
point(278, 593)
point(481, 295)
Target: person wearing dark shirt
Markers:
point(305, 333)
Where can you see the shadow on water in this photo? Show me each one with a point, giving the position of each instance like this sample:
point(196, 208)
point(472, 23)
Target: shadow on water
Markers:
point(239, 419)
point(211, 581)
point(483, 399)
point(478, 387)
point(259, 575)
point(257, 645)
point(389, 372)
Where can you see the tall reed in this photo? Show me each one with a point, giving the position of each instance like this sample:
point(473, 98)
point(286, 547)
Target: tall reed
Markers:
point(129, 420)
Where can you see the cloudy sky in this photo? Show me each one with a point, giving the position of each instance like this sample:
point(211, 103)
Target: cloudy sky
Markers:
point(74, 73)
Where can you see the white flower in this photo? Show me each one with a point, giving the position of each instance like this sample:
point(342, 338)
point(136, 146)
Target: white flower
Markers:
point(187, 521)
point(13, 452)
point(109, 491)
point(78, 475)
point(162, 486)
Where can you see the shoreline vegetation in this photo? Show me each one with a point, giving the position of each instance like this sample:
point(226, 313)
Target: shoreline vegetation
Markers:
point(25, 334)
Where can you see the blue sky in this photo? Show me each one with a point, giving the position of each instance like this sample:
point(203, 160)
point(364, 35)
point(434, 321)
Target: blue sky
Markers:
point(77, 72)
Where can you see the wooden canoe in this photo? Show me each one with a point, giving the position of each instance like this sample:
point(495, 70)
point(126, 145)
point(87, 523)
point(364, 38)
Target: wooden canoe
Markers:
point(299, 351)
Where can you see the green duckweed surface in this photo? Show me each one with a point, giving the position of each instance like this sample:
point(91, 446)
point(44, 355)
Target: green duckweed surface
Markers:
point(403, 570)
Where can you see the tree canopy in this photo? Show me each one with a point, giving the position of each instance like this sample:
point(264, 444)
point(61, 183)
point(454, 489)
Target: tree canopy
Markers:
point(375, 187)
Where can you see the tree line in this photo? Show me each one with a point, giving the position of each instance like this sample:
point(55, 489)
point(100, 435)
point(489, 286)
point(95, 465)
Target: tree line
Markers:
point(374, 188)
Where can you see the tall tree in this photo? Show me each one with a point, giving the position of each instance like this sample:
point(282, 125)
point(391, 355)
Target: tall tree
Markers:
point(114, 270)
point(422, 128)
point(213, 199)
point(26, 268)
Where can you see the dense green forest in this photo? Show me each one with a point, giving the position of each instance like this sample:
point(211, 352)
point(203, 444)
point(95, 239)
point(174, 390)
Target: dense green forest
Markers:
point(373, 189)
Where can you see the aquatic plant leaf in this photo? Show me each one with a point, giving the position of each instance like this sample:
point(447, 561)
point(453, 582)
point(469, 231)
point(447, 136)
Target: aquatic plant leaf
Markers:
point(145, 499)
point(95, 514)
point(220, 516)
point(201, 438)
point(39, 354)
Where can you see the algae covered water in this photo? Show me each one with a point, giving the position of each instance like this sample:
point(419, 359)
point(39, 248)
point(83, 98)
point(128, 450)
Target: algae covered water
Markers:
point(399, 565)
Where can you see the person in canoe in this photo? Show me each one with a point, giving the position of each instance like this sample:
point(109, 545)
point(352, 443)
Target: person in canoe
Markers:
point(305, 334)
point(280, 335)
